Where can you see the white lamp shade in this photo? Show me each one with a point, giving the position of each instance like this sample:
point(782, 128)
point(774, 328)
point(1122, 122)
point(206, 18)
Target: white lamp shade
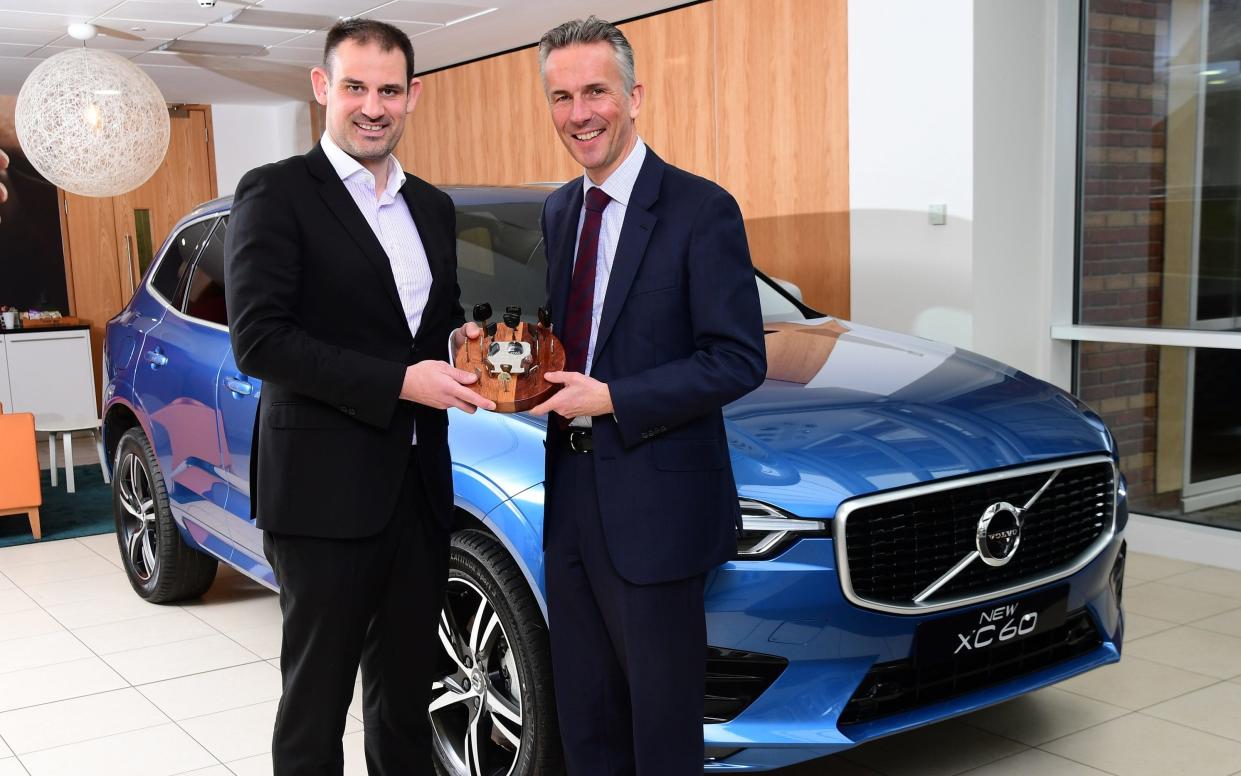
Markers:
point(92, 123)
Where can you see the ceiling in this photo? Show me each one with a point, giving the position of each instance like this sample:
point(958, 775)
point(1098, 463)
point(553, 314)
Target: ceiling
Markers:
point(289, 32)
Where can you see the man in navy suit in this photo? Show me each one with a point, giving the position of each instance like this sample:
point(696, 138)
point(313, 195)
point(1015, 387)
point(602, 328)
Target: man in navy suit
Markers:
point(654, 297)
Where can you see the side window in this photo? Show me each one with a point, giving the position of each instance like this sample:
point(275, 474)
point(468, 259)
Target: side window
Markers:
point(205, 298)
point(175, 264)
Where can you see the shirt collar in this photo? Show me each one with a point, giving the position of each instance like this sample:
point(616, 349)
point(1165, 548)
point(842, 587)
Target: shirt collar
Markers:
point(346, 166)
point(619, 185)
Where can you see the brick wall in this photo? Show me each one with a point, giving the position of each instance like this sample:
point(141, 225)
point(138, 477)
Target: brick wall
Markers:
point(1122, 219)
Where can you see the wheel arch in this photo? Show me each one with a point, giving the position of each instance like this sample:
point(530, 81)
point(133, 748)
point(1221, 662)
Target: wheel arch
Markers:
point(510, 527)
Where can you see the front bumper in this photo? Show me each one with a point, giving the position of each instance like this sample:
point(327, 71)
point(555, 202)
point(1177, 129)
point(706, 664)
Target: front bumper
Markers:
point(793, 607)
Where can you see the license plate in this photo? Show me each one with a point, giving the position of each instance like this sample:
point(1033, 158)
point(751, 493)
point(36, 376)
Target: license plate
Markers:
point(985, 628)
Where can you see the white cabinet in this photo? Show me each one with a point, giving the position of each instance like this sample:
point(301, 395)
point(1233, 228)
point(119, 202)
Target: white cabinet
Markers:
point(48, 373)
point(6, 396)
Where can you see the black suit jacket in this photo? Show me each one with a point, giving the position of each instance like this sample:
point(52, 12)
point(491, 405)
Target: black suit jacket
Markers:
point(314, 312)
point(681, 335)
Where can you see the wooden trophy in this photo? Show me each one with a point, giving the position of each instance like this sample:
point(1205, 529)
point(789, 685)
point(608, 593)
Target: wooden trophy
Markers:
point(511, 358)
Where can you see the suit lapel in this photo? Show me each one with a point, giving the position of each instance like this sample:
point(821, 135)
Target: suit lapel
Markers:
point(630, 250)
point(560, 257)
point(340, 202)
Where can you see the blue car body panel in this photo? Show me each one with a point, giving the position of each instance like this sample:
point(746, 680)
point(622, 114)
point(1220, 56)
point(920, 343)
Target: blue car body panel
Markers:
point(885, 411)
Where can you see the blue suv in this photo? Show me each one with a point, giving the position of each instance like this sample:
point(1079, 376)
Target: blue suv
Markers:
point(926, 531)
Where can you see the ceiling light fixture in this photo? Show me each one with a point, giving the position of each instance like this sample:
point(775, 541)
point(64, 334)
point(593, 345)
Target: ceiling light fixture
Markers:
point(92, 122)
point(471, 16)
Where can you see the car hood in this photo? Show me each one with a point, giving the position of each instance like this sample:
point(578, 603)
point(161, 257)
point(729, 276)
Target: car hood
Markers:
point(849, 410)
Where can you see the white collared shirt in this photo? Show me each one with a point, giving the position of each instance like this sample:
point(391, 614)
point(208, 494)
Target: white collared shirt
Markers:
point(618, 186)
point(390, 219)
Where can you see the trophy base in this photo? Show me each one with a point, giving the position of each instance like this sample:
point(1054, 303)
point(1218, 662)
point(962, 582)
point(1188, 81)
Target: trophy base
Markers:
point(510, 364)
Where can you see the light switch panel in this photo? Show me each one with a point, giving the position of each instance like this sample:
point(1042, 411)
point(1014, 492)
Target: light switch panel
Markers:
point(938, 215)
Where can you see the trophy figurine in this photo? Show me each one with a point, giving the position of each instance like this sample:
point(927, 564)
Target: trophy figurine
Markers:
point(511, 357)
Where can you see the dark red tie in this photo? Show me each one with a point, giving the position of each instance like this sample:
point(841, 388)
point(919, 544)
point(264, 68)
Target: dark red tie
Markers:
point(576, 334)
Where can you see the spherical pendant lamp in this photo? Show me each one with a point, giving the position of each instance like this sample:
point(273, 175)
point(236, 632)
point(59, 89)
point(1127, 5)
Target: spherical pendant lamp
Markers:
point(92, 122)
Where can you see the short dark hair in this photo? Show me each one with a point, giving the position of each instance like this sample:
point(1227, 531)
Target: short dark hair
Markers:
point(587, 31)
point(363, 31)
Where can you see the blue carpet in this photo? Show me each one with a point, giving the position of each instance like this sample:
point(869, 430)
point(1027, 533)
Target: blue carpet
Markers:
point(64, 515)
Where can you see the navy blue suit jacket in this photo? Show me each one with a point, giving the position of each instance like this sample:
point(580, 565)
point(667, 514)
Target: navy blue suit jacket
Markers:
point(681, 335)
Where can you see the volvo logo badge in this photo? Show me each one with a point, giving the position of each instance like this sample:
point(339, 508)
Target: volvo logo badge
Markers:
point(999, 533)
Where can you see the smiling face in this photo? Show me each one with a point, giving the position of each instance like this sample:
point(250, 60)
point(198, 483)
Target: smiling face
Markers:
point(367, 98)
point(593, 113)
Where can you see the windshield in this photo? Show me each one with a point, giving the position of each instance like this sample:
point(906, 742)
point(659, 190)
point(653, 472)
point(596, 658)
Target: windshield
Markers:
point(501, 261)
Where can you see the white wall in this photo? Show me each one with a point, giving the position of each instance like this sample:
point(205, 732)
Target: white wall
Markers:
point(970, 103)
point(911, 140)
point(247, 136)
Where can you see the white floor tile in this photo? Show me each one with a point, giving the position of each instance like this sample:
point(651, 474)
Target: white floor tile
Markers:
point(5, 583)
point(158, 751)
point(264, 641)
point(1228, 623)
point(355, 754)
point(1044, 715)
point(112, 607)
point(1145, 567)
point(88, 565)
point(259, 608)
point(71, 591)
point(1139, 625)
point(1134, 683)
point(1034, 762)
point(1194, 649)
point(41, 552)
point(170, 625)
point(11, 767)
point(1138, 745)
point(237, 733)
point(215, 691)
point(922, 752)
point(259, 765)
point(5, 751)
point(26, 623)
point(1166, 602)
point(45, 650)
point(14, 600)
point(62, 681)
point(81, 719)
point(103, 545)
point(1215, 709)
point(215, 770)
point(1208, 580)
point(168, 661)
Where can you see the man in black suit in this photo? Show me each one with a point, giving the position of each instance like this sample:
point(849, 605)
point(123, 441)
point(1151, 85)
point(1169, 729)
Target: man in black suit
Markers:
point(654, 296)
point(342, 297)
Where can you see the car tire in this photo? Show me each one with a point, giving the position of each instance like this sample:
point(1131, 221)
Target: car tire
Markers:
point(496, 704)
point(161, 567)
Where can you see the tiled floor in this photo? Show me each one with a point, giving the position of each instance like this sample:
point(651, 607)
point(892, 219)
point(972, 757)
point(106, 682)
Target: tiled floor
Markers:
point(95, 682)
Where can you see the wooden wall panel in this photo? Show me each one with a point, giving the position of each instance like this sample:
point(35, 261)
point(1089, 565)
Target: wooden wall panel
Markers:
point(750, 93)
point(674, 60)
point(784, 150)
point(96, 285)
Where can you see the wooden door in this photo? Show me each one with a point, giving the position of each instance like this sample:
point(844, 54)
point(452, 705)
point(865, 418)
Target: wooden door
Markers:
point(97, 285)
point(186, 179)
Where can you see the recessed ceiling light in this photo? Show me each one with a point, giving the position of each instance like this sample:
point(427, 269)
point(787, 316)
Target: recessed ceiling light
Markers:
point(1213, 71)
point(137, 29)
point(471, 16)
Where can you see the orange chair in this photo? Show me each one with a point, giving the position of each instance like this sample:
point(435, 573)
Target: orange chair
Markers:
point(19, 469)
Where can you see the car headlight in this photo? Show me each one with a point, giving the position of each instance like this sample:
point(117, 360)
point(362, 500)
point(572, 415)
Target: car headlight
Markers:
point(767, 531)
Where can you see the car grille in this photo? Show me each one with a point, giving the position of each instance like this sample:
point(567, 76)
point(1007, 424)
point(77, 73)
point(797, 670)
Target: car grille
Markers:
point(894, 546)
point(890, 688)
point(735, 679)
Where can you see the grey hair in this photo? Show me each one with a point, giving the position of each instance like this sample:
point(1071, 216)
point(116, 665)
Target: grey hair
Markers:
point(590, 30)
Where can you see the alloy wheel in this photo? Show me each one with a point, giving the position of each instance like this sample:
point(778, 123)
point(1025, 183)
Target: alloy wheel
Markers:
point(475, 710)
point(139, 531)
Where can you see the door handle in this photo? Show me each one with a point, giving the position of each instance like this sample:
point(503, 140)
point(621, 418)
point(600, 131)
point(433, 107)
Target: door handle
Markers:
point(238, 386)
point(156, 359)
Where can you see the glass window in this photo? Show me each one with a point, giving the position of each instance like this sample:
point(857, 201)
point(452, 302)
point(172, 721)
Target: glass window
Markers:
point(175, 264)
point(1177, 424)
point(1160, 246)
point(205, 298)
point(1161, 173)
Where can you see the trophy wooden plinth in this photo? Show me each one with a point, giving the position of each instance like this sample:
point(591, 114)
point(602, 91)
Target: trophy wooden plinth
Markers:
point(510, 364)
